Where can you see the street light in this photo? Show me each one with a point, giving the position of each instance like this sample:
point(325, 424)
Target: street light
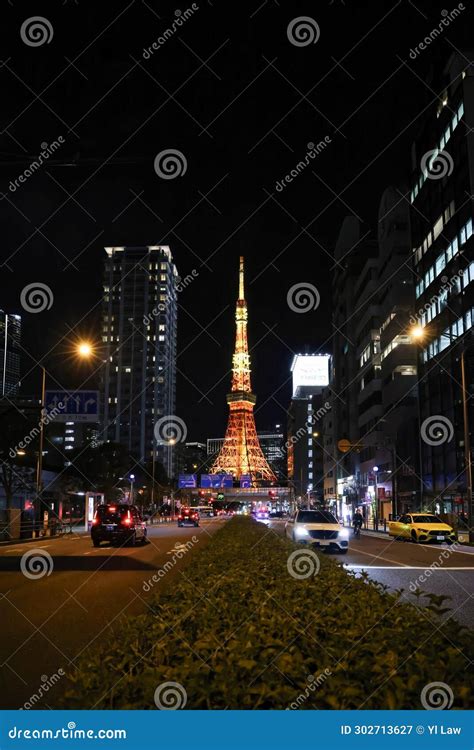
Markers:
point(84, 349)
point(376, 490)
point(132, 479)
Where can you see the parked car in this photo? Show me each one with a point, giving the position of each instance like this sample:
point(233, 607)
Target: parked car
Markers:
point(317, 527)
point(118, 523)
point(188, 517)
point(421, 527)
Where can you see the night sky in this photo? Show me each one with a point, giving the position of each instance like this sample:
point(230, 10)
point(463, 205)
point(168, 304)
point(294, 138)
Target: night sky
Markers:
point(241, 102)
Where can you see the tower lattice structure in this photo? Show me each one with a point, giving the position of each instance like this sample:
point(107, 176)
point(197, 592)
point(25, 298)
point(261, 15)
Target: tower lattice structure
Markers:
point(241, 453)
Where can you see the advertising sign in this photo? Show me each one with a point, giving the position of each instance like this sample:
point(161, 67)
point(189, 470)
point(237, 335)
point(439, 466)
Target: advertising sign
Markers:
point(310, 370)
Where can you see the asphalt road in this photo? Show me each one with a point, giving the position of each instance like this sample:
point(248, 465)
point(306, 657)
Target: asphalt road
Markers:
point(69, 603)
point(433, 569)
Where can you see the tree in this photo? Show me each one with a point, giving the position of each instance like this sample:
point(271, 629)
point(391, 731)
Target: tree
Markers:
point(101, 468)
point(18, 432)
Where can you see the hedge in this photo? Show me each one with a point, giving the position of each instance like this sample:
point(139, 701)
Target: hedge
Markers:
point(238, 631)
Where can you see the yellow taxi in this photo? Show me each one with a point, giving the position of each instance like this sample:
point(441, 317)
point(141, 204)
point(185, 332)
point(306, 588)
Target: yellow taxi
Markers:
point(421, 527)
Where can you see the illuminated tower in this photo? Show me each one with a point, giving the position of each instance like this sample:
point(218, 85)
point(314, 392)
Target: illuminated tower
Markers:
point(241, 452)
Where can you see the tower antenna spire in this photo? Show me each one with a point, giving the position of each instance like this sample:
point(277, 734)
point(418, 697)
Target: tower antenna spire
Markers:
point(241, 278)
point(241, 454)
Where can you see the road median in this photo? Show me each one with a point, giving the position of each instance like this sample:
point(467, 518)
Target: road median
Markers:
point(258, 622)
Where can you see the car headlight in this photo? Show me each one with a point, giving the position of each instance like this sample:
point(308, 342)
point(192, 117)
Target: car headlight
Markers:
point(300, 531)
point(344, 533)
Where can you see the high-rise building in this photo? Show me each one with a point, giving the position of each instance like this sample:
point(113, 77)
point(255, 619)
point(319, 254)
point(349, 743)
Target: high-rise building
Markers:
point(374, 374)
point(305, 425)
point(10, 341)
point(139, 322)
point(241, 454)
point(442, 249)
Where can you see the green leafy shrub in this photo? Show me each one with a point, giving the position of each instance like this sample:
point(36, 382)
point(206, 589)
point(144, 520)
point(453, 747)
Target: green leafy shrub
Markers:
point(237, 631)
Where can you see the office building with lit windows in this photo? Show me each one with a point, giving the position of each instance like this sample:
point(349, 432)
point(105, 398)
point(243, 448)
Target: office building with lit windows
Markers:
point(10, 340)
point(305, 451)
point(442, 186)
point(139, 322)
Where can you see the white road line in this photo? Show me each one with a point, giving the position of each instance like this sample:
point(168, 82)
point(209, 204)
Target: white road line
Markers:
point(87, 553)
point(9, 551)
point(377, 557)
point(398, 567)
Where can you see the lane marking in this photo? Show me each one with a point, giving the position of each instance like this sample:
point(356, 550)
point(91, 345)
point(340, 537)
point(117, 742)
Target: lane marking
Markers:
point(87, 553)
point(377, 557)
point(397, 567)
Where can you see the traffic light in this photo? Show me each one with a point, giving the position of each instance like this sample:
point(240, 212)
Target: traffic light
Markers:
point(220, 496)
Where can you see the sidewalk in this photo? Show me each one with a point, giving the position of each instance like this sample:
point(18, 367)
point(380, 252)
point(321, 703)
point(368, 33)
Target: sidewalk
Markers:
point(40, 539)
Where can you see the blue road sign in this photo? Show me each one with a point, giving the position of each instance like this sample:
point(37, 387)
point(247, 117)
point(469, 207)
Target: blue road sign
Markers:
point(246, 481)
point(73, 406)
point(216, 481)
point(187, 481)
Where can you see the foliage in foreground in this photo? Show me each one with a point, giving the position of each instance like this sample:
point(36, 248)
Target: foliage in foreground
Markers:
point(237, 631)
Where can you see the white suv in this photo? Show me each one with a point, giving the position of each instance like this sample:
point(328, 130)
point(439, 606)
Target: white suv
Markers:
point(318, 527)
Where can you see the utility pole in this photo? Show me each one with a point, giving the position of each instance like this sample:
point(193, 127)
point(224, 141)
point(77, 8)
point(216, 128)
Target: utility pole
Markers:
point(467, 446)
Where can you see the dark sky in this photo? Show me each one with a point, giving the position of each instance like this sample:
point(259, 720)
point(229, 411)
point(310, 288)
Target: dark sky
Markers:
point(241, 102)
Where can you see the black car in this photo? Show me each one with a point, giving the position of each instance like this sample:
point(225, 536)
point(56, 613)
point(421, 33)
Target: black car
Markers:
point(188, 517)
point(118, 523)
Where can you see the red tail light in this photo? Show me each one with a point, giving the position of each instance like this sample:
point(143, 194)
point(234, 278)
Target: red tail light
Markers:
point(128, 519)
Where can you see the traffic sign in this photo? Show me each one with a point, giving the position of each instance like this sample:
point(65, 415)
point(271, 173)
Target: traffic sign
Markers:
point(72, 406)
point(344, 445)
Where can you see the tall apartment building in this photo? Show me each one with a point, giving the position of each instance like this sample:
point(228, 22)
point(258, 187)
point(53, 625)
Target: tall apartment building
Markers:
point(442, 249)
point(352, 251)
point(310, 374)
point(373, 381)
point(10, 340)
point(139, 322)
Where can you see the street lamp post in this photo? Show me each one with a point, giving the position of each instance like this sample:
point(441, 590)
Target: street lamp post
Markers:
point(376, 490)
point(39, 462)
point(132, 480)
point(467, 448)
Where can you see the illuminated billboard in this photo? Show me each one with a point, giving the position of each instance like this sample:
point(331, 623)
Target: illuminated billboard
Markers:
point(310, 370)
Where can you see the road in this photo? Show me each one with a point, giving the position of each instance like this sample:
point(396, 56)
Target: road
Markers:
point(75, 600)
point(407, 565)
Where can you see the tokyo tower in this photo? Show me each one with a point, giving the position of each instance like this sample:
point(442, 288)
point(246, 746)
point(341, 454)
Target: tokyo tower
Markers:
point(241, 453)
